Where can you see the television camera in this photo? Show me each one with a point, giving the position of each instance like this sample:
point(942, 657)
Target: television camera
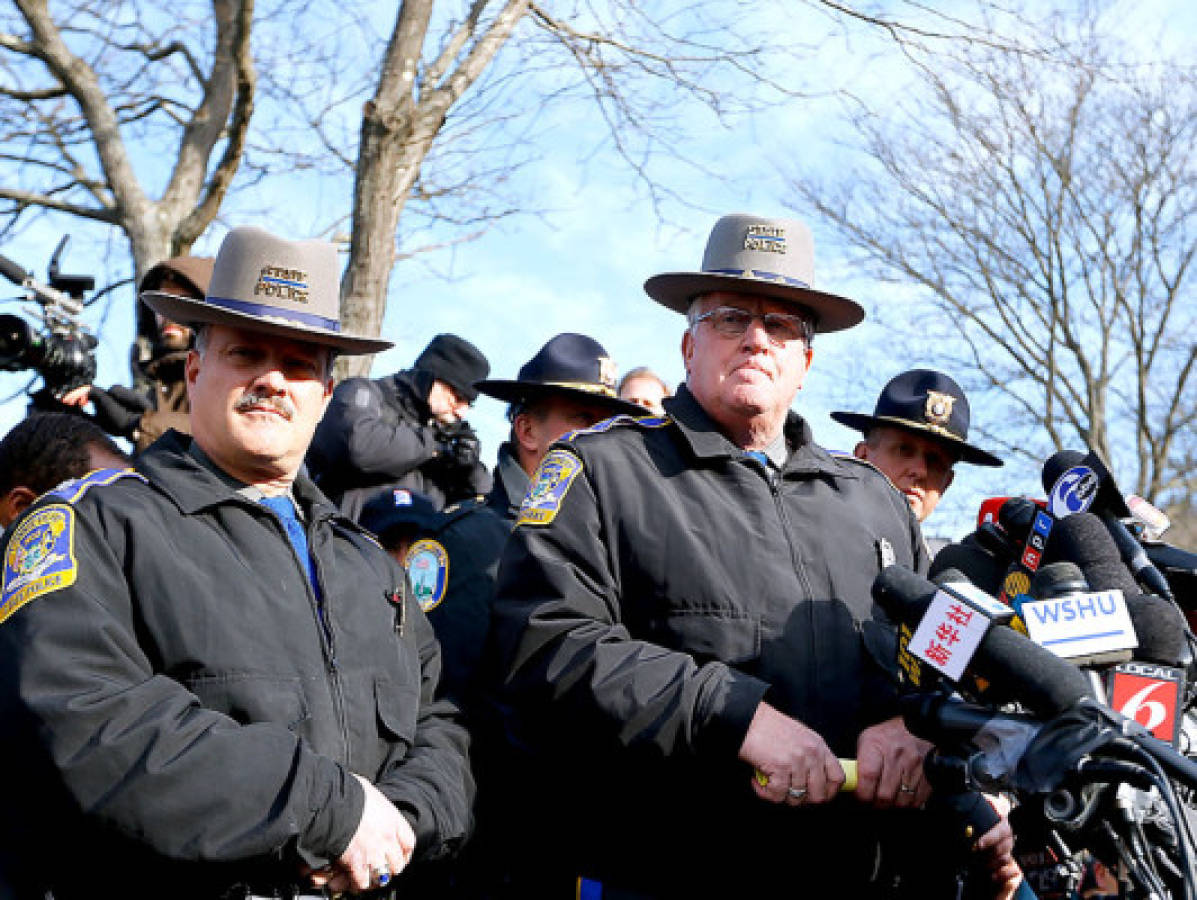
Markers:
point(59, 346)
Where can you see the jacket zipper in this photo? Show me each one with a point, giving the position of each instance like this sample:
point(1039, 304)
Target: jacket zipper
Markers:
point(774, 480)
point(324, 620)
point(320, 610)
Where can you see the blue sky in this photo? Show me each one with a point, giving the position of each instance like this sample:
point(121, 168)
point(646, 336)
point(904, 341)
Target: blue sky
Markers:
point(580, 264)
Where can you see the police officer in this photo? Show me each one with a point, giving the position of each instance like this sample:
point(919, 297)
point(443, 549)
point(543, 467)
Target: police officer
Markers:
point(453, 557)
point(406, 430)
point(158, 402)
point(917, 433)
point(213, 685)
point(683, 613)
point(568, 384)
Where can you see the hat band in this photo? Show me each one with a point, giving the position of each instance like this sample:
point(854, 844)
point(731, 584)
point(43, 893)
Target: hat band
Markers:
point(762, 275)
point(588, 387)
point(923, 426)
point(261, 310)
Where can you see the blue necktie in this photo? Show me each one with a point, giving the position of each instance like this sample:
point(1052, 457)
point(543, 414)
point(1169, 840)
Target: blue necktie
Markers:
point(760, 456)
point(285, 510)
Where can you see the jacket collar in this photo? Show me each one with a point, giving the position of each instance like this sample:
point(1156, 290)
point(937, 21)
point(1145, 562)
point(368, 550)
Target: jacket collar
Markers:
point(194, 482)
point(706, 441)
point(511, 483)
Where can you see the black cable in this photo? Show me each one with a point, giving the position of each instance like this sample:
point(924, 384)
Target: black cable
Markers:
point(1184, 837)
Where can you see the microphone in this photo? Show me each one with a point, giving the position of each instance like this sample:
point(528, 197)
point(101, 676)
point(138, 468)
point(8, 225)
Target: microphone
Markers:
point(1016, 516)
point(1160, 627)
point(1015, 668)
point(1077, 482)
point(1148, 690)
point(1179, 567)
point(972, 557)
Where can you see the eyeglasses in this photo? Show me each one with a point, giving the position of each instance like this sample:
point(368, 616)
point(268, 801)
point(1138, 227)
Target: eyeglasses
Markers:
point(731, 321)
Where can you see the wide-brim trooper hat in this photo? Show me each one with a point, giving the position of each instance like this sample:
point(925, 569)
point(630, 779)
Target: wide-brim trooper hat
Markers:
point(930, 404)
point(264, 283)
point(772, 258)
point(569, 365)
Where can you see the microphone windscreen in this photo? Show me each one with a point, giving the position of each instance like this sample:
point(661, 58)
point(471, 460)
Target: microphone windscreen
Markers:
point(1018, 669)
point(1160, 628)
point(1058, 579)
point(979, 566)
point(903, 594)
point(1083, 539)
point(1016, 517)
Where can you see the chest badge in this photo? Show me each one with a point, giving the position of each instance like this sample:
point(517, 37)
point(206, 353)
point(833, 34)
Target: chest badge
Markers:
point(885, 553)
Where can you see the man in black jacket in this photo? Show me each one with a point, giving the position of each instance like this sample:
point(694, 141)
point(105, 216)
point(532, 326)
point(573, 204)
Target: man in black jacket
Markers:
point(407, 430)
point(684, 618)
point(212, 684)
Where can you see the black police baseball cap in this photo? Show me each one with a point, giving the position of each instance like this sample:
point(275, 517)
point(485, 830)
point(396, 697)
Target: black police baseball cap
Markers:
point(456, 362)
point(395, 507)
point(928, 403)
point(569, 365)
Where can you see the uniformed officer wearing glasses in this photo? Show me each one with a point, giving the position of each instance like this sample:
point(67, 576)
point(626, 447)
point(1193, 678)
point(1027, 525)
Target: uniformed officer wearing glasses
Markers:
point(684, 615)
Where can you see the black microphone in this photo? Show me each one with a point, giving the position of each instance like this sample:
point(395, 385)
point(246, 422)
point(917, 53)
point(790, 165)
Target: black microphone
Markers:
point(971, 557)
point(950, 723)
point(1084, 540)
point(1179, 566)
point(1015, 668)
point(1016, 516)
point(1108, 503)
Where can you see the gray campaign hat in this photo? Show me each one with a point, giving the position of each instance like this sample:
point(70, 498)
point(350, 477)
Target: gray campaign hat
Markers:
point(766, 257)
point(265, 283)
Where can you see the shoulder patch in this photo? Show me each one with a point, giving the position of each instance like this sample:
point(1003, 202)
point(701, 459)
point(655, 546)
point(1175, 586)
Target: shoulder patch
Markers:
point(553, 477)
point(621, 419)
point(39, 557)
point(74, 488)
point(427, 566)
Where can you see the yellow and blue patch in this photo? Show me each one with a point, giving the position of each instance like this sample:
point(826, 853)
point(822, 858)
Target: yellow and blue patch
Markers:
point(427, 565)
point(553, 477)
point(39, 558)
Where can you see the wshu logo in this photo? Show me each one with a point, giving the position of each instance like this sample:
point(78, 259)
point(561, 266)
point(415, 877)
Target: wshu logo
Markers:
point(1081, 624)
point(769, 238)
point(283, 284)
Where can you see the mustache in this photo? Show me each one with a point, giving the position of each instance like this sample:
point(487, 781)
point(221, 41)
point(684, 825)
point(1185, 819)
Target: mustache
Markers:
point(281, 405)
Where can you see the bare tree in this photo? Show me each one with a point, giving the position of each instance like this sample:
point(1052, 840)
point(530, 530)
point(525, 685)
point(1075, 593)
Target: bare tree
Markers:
point(638, 69)
point(91, 84)
point(1039, 217)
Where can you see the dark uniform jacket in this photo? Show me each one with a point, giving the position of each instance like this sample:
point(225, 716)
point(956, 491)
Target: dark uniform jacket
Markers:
point(179, 713)
point(463, 547)
point(379, 433)
point(658, 585)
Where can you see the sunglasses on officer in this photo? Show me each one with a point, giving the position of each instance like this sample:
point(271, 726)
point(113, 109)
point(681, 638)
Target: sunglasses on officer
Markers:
point(781, 328)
